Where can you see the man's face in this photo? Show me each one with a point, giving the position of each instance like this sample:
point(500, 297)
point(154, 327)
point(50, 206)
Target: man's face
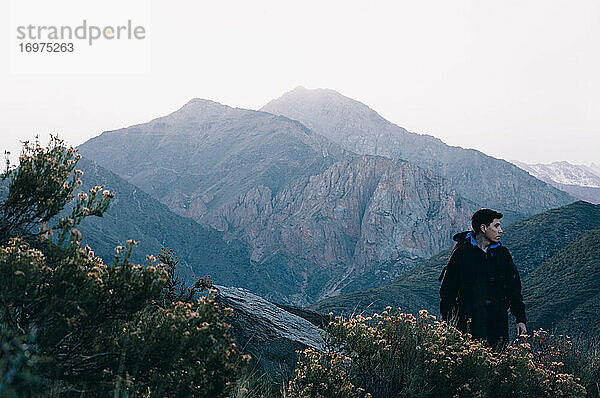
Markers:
point(493, 231)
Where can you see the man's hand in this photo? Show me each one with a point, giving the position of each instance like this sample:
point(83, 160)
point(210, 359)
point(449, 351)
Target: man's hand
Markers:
point(521, 329)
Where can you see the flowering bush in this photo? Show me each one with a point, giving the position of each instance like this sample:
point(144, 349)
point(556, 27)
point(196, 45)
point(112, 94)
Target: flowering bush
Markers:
point(394, 354)
point(71, 325)
point(322, 375)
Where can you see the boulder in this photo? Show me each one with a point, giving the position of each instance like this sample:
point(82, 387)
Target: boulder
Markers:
point(268, 332)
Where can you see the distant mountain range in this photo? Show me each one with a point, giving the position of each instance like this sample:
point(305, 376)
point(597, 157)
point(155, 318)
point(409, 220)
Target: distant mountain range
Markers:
point(580, 181)
point(337, 200)
point(204, 155)
point(556, 253)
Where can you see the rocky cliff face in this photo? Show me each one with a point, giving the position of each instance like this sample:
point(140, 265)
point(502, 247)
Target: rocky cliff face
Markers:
point(360, 223)
point(487, 181)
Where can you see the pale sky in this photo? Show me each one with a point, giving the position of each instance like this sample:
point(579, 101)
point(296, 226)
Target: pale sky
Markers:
point(514, 79)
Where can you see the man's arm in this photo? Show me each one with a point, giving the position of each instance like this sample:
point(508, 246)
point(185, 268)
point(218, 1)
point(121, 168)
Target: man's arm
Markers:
point(517, 307)
point(449, 290)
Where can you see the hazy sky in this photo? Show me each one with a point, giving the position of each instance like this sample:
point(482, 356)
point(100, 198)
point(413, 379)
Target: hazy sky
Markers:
point(514, 79)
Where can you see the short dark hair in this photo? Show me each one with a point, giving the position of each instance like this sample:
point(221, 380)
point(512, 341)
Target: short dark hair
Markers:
point(483, 216)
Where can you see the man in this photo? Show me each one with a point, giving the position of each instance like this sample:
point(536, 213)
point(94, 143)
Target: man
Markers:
point(480, 283)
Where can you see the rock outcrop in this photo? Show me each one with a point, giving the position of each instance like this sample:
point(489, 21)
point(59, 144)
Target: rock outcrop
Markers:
point(269, 333)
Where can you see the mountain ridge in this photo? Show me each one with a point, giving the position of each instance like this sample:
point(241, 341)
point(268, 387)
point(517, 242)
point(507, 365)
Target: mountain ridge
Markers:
point(200, 155)
point(485, 180)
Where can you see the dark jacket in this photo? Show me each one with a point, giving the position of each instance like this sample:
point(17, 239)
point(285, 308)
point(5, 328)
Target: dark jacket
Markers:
point(479, 287)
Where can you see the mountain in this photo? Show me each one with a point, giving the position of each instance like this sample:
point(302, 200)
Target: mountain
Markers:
point(580, 181)
point(564, 292)
point(199, 158)
point(482, 179)
point(563, 173)
point(317, 220)
point(532, 242)
point(133, 214)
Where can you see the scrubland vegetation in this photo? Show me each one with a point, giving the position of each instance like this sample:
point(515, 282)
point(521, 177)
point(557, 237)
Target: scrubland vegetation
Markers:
point(400, 355)
point(74, 326)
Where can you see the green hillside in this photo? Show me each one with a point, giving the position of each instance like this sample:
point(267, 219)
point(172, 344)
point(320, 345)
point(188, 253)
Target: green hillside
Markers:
point(537, 238)
point(565, 290)
point(417, 289)
point(531, 242)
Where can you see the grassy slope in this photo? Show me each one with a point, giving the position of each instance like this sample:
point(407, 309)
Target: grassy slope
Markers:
point(564, 291)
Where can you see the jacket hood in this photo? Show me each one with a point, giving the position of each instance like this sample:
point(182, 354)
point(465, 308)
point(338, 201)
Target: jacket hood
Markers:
point(468, 237)
point(461, 236)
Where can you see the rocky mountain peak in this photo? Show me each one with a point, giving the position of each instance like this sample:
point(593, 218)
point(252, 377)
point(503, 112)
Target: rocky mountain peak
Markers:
point(199, 110)
point(201, 105)
point(348, 122)
point(325, 104)
point(317, 94)
point(204, 102)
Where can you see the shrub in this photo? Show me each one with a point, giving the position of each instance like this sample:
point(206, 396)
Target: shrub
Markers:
point(580, 357)
point(396, 354)
point(18, 364)
point(76, 326)
point(324, 375)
